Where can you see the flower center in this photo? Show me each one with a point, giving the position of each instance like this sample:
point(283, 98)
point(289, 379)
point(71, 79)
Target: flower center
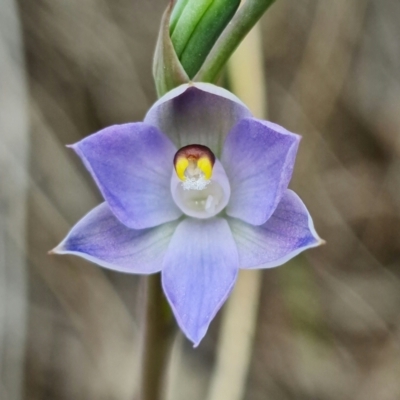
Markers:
point(193, 165)
point(194, 177)
point(199, 184)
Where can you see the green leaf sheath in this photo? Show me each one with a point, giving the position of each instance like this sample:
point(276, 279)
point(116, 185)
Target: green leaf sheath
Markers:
point(208, 30)
point(167, 70)
point(198, 37)
point(242, 22)
point(188, 20)
point(176, 13)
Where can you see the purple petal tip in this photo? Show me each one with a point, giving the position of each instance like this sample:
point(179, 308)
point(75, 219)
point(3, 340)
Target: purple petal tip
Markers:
point(57, 250)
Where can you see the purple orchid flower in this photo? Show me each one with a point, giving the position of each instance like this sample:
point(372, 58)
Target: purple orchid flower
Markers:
point(196, 191)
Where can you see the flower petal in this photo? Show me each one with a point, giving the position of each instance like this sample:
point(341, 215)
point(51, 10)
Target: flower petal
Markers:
point(101, 238)
point(258, 157)
point(199, 271)
point(288, 232)
point(199, 113)
point(132, 166)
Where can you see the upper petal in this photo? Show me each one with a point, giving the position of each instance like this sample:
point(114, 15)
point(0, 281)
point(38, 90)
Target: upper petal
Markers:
point(258, 157)
point(288, 232)
point(199, 271)
point(132, 165)
point(199, 113)
point(101, 238)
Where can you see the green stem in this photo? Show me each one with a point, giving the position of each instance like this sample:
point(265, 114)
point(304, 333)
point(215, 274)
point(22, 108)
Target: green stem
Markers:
point(158, 329)
point(241, 24)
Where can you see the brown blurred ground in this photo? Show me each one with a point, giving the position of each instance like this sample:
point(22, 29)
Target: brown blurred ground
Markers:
point(328, 321)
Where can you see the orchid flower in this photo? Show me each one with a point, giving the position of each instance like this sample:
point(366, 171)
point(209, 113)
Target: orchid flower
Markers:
point(196, 191)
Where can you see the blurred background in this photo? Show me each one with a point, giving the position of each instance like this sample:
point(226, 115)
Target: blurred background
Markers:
point(328, 322)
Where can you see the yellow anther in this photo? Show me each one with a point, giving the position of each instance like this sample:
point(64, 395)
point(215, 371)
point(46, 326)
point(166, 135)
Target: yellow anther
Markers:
point(204, 164)
point(180, 167)
point(194, 163)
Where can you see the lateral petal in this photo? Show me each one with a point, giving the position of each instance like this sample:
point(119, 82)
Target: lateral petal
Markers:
point(132, 166)
point(288, 232)
point(258, 157)
point(101, 238)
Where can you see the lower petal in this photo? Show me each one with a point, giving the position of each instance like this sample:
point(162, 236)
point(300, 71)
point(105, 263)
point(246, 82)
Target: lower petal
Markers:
point(101, 238)
point(199, 271)
point(288, 232)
